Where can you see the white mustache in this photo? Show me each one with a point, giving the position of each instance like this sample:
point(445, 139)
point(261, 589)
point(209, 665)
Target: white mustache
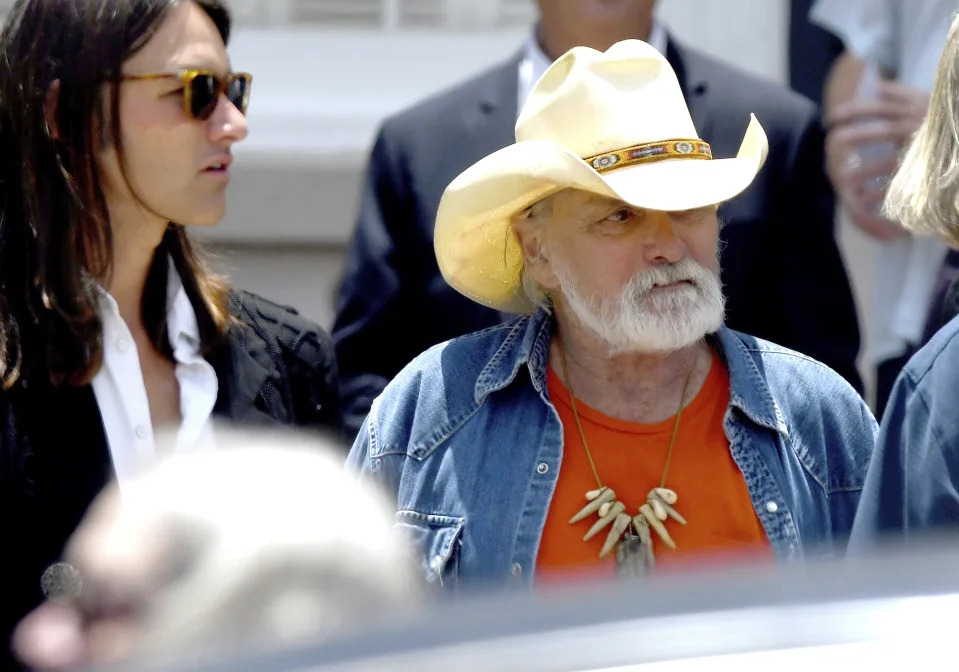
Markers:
point(685, 270)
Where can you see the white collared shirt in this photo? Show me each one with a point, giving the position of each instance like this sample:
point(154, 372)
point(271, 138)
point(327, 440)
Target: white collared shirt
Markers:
point(535, 62)
point(121, 392)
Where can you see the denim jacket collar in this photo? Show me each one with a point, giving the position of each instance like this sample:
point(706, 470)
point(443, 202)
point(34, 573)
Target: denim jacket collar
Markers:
point(528, 343)
point(747, 387)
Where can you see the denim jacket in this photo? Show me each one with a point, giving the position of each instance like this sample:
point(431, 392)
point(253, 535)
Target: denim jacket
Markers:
point(913, 482)
point(469, 445)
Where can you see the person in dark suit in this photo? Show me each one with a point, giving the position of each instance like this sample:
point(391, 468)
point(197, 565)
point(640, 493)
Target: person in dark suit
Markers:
point(781, 269)
point(117, 118)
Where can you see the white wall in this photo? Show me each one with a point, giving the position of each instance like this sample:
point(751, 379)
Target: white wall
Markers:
point(319, 96)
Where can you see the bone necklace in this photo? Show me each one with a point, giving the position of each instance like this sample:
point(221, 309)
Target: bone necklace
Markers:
point(629, 535)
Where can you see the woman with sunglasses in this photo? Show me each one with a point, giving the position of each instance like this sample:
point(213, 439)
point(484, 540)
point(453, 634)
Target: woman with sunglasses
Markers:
point(117, 119)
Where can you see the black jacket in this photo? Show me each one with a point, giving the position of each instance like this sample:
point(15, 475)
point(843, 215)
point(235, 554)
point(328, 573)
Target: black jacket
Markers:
point(781, 269)
point(275, 367)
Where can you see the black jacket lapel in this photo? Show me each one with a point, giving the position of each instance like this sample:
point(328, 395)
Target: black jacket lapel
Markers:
point(498, 100)
point(245, 370)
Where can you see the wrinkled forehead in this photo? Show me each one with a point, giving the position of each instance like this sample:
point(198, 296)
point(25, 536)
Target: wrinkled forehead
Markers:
point(569, 202)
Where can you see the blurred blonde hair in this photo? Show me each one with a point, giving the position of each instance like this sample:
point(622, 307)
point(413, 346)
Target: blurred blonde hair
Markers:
point(263, 541)
point(924, 193)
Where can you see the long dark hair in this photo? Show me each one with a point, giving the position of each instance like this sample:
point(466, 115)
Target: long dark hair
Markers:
point(55, 237)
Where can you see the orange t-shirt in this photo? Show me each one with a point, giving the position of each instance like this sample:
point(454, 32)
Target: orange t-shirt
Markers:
point(629, 457)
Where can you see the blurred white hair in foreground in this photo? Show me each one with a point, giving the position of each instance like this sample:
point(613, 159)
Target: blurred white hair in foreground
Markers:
point(263, 540)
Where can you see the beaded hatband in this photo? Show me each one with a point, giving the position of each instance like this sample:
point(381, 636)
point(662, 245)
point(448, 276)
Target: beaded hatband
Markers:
point(650, 153)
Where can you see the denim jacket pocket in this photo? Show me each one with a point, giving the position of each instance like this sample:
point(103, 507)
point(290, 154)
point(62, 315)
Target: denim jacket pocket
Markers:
point(438, 540)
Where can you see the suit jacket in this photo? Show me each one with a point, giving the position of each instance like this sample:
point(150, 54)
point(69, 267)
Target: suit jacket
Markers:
point(781, 269)
point(274, 367)
point(812, 51)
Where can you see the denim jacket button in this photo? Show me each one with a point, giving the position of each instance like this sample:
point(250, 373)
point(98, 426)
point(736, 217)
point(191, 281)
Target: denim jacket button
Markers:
point(542, 468)
point(516, 569)
point(772, 507)
point(61, 582)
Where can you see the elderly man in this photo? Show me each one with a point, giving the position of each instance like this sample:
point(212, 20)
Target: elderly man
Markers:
point(618, 423)
point(393, 302)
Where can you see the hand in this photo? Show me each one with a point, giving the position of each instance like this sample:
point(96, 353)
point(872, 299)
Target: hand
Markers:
point(904, 107)
point(893, 117)
point(861, 188)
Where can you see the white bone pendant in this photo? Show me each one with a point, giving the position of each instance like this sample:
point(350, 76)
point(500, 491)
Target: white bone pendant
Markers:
point(658, 508)
point(657, 525)
point(662, 508)
point(616, 509)
point(674, 514)
point(630, 536)
point(593, 494)
point(605, 495)
point(665, 495)
point(615, 532)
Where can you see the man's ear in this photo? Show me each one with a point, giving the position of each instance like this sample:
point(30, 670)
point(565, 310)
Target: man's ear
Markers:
point(534, 255)
point(50, 108)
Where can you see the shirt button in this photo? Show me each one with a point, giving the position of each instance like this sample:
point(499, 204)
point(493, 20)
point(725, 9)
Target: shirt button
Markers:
point(542, 468)
point(516, 569)
point(772, 507)
point(141, 432)
point(123, 344)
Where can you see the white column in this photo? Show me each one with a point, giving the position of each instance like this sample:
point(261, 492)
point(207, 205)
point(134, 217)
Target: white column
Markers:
point(472, 14)
point(391, 14)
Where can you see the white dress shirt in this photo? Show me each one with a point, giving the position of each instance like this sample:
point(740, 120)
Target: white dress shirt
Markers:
point(535, 62)
point(904, 39)
point(121, 393)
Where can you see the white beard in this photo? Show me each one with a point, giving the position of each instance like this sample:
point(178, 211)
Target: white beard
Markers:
point(639, 320)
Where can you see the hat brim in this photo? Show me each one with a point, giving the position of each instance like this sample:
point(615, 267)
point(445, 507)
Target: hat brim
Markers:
point(476, 250)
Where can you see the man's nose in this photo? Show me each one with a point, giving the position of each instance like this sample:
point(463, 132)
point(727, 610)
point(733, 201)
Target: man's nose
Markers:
point(661, 244)
point(227, 124)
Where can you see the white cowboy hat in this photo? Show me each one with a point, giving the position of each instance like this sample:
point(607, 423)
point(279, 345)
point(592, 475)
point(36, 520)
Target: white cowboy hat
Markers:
point(612, 123)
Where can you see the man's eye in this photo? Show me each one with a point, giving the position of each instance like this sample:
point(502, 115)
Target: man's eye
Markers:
point(621, 215)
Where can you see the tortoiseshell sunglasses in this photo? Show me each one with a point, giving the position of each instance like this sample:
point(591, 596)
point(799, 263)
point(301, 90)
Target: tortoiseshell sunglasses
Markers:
point(202, 89)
